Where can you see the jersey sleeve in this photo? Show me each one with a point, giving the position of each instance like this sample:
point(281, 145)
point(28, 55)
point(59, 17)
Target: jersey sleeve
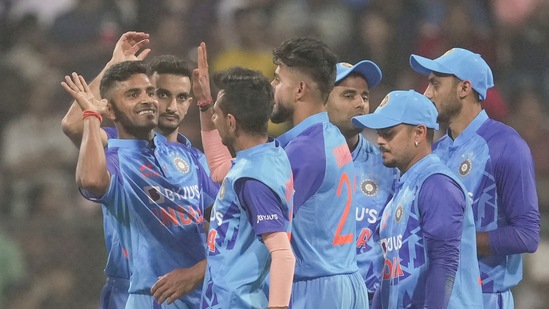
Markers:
point(111, 132)
point(442, 206)
point(517, 199)
point(308, 161)
point(262, 205)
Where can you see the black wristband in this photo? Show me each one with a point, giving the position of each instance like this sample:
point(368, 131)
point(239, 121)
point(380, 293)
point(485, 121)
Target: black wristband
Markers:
point(204, 108)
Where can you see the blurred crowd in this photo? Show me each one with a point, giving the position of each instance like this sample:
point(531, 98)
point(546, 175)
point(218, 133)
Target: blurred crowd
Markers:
point(51, 244)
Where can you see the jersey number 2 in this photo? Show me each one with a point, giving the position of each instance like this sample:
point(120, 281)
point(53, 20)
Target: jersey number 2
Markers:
point(338, 238)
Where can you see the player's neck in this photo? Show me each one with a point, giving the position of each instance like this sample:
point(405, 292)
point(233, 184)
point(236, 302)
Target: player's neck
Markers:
point(247, 141)
point(304, 109)
point(459, 123)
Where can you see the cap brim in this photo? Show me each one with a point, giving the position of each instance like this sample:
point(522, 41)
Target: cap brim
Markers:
point(425, 66)
point(374, 121)
point(366, 68)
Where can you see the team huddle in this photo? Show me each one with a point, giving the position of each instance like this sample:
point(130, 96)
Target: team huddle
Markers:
point(319, 217)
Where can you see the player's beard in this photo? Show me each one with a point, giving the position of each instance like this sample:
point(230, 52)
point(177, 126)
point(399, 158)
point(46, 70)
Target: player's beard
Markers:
point(449, 109)
point(167, 127)
point(130, 126)
point(281, 113)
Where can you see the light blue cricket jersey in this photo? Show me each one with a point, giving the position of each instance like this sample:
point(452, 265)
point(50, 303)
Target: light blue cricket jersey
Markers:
point(374, 188)
point(238, 261)
point(157, 195)
point(117, 257)
point(406, 254)
point(496, 167)
point(324, 225)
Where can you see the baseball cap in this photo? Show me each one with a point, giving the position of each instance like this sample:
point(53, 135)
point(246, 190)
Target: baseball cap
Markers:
point(400, 106)
point(366, 68)
point(460, 62)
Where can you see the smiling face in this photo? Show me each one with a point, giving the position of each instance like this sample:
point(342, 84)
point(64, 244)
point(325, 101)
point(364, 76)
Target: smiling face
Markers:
point(134, 106)
point(174, 99)
point(348, 99)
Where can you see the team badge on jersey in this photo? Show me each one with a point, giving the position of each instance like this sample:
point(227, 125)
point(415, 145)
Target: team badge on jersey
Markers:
point(399, 212)
point(465, 167)
point(369, 187)
point(181, 165)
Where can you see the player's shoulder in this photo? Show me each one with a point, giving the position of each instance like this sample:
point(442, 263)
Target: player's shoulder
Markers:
point(500, 136)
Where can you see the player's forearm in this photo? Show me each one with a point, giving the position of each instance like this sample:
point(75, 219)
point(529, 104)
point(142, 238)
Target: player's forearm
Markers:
point(199, 270)
point(206, 123)
point(218, 155)
point(443, 255)
point(91, 169)
point(282, 268)
point(72, 124)
point(509, 240)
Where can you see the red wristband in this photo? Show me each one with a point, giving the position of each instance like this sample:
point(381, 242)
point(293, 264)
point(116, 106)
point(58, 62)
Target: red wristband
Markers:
point(205, 102)
point(92, 113)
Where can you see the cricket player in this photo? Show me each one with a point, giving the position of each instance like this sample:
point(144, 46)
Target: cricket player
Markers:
point(250, 220)
point(155, 190)
point(375, 181)
point(427, 230)
point(493, 162)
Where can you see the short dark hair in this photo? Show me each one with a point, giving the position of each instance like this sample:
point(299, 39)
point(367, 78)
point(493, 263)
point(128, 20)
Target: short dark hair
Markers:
point(313, 58)
point(249, 97)
point(169, 64)
point(118, 73)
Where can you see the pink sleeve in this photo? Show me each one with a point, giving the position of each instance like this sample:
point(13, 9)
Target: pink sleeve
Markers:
point(282, 268)
point(218, 156)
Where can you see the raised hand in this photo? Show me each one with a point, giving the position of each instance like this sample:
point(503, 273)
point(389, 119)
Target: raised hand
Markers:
point(77, 87)
point(128, 46)
point(201, 77)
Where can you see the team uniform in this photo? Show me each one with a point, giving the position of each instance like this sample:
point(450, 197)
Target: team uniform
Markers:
point(157, 195)
point(114, 293)
point(495, 165)
point(255, 198)
point(428, 240)
point(324, 225)
point(374, 188)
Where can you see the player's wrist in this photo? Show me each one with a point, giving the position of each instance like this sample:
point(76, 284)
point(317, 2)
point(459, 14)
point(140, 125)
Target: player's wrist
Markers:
point(90, 113)
point(204, 105)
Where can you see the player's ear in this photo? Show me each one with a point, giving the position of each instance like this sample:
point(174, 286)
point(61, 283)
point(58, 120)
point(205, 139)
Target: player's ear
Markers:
point(109, 112)
point(231, 121)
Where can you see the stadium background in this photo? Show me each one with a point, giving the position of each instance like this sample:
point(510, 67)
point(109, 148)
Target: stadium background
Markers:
point(51, 245)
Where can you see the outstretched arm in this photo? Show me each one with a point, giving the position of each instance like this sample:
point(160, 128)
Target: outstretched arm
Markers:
point(126, 49)
point(218, 156)
point(91, 170)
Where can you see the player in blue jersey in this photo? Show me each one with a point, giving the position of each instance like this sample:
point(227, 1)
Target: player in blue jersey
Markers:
point(156, 190)
point(114, 293)
point(250, 220)
point(171, 77)
point(493, 162)
point(349, 98)
point(427, 230)
point(324, 224)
